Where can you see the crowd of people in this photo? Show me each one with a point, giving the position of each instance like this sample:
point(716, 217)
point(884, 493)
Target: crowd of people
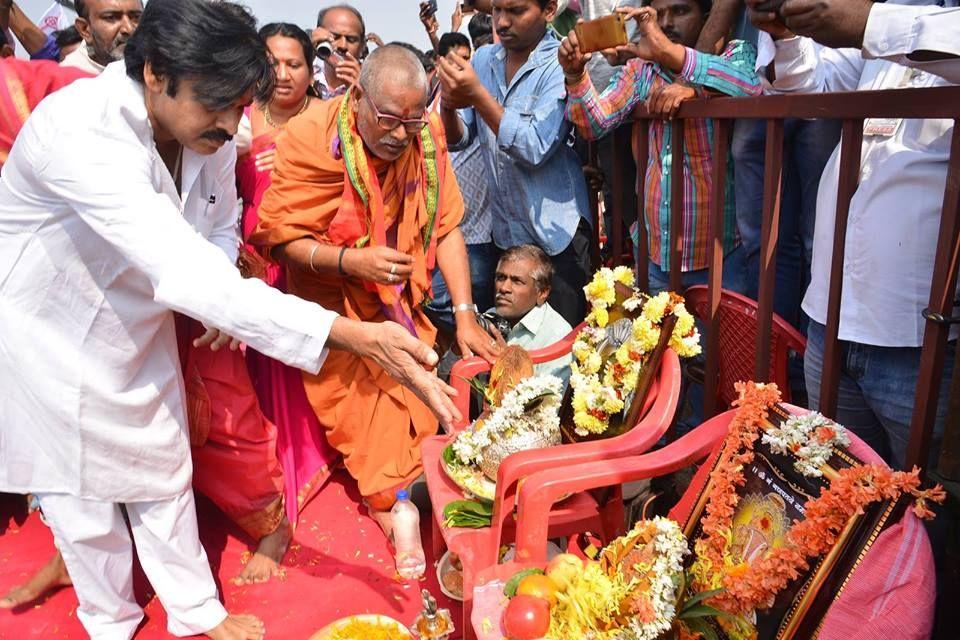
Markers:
point(176, 183)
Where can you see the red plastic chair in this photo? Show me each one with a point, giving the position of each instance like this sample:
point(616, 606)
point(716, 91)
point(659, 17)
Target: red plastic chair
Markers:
point(479, 548)
point(887, 596)
point(738, 341)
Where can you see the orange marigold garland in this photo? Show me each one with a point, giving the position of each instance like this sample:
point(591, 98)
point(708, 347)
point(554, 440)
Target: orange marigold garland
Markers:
point(754, 586)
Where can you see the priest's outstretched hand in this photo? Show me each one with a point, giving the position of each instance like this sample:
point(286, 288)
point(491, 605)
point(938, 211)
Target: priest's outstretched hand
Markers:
point(408, 360)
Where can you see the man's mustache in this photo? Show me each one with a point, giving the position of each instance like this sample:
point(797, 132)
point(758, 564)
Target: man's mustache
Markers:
point(216, 135)
point(672, 35)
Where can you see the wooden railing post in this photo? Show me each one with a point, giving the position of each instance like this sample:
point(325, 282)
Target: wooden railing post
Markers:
point(615, 235)
point(641, 151)
point(942, 296)
point(851, 145)
point(769, 232)
point(594, 208)
point(718, 198)
point(678, 127)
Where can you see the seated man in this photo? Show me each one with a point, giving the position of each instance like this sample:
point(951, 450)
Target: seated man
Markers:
point(662, 62)
point(361, 212)
point(523, 279)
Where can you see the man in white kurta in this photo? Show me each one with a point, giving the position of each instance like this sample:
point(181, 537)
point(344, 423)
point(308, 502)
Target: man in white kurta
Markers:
point(97, 248)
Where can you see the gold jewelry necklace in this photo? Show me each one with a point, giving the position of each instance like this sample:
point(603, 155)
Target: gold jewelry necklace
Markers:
point(269, 120)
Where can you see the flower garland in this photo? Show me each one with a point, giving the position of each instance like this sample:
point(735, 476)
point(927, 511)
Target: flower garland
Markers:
point(514, 416)
point(599, 391)
point(645, 592)
point(811, 438)
point(748, 587)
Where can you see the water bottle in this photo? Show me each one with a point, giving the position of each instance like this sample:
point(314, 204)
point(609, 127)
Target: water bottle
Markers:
point(411, 562)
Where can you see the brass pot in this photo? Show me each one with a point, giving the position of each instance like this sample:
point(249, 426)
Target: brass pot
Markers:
point(497, 451)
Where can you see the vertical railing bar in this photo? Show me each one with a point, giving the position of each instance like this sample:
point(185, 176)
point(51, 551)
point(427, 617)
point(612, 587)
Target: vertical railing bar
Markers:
point(616, 190)
point(718, 196)
point(851, 145)
point(942, 293)
point(769, 232)
point(641, 151)
point(594, 208)
point(676, 202)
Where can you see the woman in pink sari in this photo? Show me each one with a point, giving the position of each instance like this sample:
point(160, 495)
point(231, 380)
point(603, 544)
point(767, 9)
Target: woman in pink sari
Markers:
point(301, 444)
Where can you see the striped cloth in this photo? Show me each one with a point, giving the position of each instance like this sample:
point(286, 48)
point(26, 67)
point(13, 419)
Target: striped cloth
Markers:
point(731, 73)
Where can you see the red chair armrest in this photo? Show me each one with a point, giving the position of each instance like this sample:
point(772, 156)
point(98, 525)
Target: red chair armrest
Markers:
point(542, 490)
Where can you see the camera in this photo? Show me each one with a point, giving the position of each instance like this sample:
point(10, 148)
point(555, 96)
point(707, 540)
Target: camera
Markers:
point(324, 50)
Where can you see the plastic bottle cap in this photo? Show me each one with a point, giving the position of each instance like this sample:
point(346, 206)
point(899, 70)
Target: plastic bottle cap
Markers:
point(403, 494)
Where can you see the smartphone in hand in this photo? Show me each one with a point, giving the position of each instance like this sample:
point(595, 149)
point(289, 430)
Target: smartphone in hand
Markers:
point(603, 33)
point(431, 7)
point(772, 6)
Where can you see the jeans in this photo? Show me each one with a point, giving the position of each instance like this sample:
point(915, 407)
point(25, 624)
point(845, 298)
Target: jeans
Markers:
point(572, 271)
point(876, 395)
point(732, 279)
point(483, 263)
point(808, 145)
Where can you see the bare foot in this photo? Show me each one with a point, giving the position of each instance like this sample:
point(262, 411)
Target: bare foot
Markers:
point(265, 562)
point(238, 627)
point(383, 519)
point(51, 576)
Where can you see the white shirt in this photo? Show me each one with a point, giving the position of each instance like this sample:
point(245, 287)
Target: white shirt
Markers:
point(894, 32)
point(96, 249)
point(80, 58)
point(894, 216)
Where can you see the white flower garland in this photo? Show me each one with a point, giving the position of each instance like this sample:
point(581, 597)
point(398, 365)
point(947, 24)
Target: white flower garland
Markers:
point(663, 574)
point(510, 418)
point(810, 437)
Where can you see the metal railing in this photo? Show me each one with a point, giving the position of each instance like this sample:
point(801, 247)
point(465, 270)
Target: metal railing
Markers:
point(852, 108)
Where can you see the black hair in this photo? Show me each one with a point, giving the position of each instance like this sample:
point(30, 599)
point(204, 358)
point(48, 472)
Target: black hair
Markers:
point(542, 273)
point(3, 38)
point(480, 28)
point(214, 43)
point(452, 40)
point(345, 7)
point(429, 64)
point(705, 5)
point(66, 37)
point(80, 6)
point(288, 30)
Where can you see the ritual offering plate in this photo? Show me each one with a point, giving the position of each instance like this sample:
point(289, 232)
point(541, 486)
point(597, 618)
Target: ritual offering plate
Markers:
point(469, 478)
point(450, 576)
point(370, 626)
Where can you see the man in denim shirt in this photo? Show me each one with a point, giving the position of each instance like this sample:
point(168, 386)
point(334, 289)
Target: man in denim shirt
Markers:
point(513, 99)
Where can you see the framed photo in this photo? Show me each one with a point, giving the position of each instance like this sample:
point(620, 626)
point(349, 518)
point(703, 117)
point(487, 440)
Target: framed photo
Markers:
point(771, 499)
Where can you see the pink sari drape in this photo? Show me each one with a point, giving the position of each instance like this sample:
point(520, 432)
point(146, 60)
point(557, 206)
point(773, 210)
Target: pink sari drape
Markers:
point(302, 445)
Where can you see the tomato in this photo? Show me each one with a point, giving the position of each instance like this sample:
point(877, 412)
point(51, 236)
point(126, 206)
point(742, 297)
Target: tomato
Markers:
point(526, 618)
point(538, 586)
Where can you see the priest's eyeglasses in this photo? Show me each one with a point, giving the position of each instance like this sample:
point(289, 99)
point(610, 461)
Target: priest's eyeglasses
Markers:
point(389, 122)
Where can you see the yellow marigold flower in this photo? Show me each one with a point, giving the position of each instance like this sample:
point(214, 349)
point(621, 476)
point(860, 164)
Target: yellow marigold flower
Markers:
point(656, 307)
point(623, 275)
point(593, 363)
point(601, 317)
point(685, 323)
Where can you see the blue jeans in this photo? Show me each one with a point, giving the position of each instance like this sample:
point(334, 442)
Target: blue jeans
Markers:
point(807, 147)
point(483, 263)
point(876, 395)
point(732, 279)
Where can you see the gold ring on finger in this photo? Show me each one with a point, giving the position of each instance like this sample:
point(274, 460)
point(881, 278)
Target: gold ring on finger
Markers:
point(393, 269)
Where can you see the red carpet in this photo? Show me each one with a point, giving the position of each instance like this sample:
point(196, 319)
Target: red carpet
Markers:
point(339, 564)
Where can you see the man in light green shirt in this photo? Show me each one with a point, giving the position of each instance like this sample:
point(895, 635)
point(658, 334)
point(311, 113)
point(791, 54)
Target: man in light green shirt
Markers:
point(522, 285)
